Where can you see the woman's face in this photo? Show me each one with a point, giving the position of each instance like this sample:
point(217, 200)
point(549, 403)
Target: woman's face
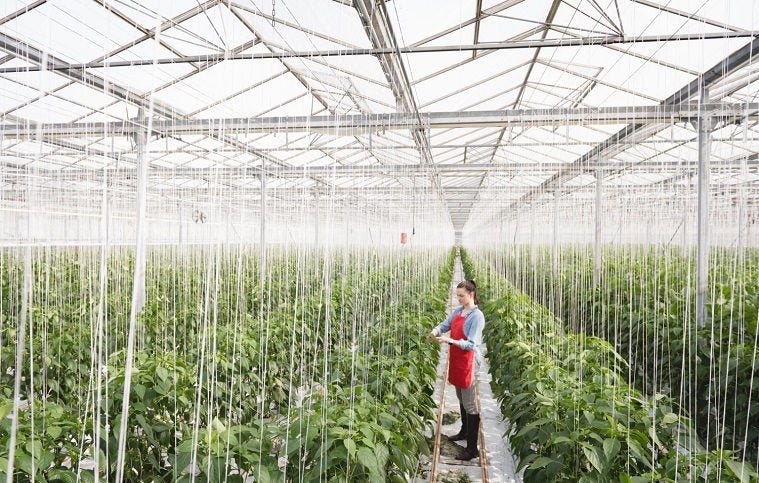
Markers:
point(463, 296)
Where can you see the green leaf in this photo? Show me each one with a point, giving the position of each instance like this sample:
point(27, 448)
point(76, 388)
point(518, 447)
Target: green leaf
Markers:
point(541, 462)
point(262, 475)
point(402, 388)
point(54, 431)
point(669, 418)
point(741, 471)
point(217, 467)
point(382, 454)
point(24, 462)
point(162, 373)
point(638, 453)
point(66, 476)
point(367, 431)
point(86, 477)
point(611, 448)
point(185, 447)
point(5, 410)
point(350, 445)
point(367, 459)
point(594, 456)
point(45, 459)
point(34, 448)
point(182, 461)
point(217, 425)
point(561, 439)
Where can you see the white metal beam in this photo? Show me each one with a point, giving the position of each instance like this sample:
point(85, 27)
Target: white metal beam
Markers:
point(363, 123)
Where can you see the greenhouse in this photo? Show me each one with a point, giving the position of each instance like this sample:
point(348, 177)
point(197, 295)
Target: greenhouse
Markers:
point(308, 241)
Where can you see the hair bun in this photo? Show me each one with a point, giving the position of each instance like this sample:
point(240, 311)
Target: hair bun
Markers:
point(472, 282)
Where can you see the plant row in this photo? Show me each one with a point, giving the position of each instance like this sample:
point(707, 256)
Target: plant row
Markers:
point(571, 414)
point(317, 371)
point(645, 306)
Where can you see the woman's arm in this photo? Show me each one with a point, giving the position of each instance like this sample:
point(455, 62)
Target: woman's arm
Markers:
point(446, 325)
point(473, 333)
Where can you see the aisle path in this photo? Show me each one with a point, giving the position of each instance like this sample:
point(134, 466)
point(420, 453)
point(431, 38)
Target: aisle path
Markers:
point(500, 462)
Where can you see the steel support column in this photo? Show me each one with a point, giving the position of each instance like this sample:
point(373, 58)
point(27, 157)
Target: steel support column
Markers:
point(555, 248)
point(138, 288)
point(597, 247)
point(704, 147)
point(263, 230)
point(26, 294)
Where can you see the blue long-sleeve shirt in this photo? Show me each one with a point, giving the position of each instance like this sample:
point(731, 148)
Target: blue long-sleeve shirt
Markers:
point(473, 325)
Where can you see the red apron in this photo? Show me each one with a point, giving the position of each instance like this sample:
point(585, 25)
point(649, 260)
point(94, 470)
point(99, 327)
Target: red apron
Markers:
point(460, 362)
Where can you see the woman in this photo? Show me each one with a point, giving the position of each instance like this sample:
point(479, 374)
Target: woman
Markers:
point(465, 325)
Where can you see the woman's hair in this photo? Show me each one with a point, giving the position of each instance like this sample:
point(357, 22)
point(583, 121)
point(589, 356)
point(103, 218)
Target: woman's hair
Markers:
point(470, 287)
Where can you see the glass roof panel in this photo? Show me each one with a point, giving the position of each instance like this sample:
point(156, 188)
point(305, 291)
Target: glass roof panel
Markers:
point(121, 110)
point(87, 96)
point(178, 158)
point(257, 101)
point(219, 82)
point(150, 14)
point(40, 80)
point(8, 7)
point(214, 30)
point(351, 66)
point(12, 94)
point(289, 38)
point(51, 109)
point(296, 107)
point(495, 101)
point(601, 95)
point(146, 77)
point(72, 30)
point(328, 18)
point(640, 18)
point(447, 13)
point(423, 65)
point(489, 74)
point(583, 19)
point(522, 18)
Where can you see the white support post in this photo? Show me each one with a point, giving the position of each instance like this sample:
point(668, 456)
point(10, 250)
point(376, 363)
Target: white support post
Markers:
point(262, 274)
point(141, 141)
point(317, 220)
point(743, 221)
point(704, 145)
point(597, 247)
point(26, 295)
point(181, 226)
point(555, 234)
point(99, 353)
point(138, 285)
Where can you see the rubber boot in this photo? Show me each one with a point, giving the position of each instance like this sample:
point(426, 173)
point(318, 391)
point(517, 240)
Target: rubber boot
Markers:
point(461, 436)
point(472, 436)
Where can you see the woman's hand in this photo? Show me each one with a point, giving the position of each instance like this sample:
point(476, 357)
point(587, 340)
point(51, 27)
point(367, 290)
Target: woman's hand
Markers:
point(432, 336)
point(444, 339)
